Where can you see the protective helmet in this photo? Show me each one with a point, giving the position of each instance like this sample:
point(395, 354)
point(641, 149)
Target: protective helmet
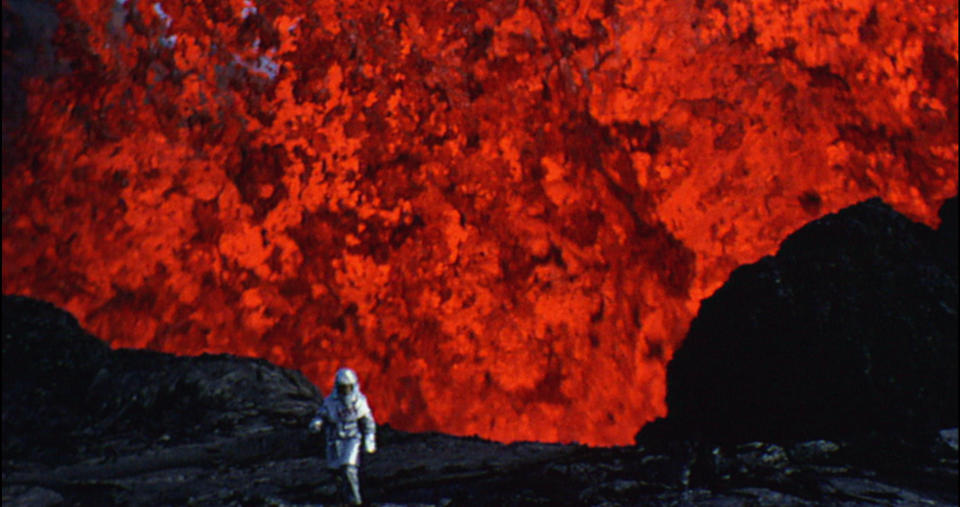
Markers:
point(345, 383)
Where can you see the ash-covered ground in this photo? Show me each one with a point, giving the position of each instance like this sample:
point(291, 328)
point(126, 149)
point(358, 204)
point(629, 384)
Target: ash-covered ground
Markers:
point(87, 425)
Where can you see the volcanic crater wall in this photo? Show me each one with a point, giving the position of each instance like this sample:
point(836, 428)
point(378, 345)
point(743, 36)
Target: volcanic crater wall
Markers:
point(502, 214)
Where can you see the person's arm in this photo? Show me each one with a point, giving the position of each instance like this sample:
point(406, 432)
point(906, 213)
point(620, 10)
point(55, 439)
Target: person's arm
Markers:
point(368, 427)
point(317, 423)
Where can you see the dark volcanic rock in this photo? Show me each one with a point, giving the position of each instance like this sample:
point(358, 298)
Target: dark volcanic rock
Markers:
point(850, 329)
point(85, 425)
point(948, 234)
point(64, 389)
point(48, 364)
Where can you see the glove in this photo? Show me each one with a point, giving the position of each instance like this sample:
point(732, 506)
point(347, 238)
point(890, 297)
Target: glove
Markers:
point(316, 425)
point(369, 444)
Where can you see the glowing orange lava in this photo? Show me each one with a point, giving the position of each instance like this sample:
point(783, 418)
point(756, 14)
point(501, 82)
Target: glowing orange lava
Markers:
point(502, 214)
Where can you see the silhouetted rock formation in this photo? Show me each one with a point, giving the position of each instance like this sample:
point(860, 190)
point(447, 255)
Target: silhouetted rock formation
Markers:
point(48, 364)
point(851, 328)
point(64, 389)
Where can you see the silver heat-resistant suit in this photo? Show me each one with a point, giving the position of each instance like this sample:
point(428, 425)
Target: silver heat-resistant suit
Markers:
point(348, 423)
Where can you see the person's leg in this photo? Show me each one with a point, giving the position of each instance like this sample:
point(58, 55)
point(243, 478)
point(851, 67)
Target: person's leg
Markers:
point(351, 483)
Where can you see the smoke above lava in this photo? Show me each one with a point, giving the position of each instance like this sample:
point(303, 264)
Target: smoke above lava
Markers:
point(502, 214)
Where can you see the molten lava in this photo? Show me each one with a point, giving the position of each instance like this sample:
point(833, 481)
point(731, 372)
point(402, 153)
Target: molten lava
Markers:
point(502, 214)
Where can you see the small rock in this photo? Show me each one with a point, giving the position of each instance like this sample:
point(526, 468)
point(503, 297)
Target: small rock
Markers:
point(949, 437)
point(814, 451)
point(758, 456)
point(764, 496)
point(622, 486)
point(871, 491)
point(35, 497)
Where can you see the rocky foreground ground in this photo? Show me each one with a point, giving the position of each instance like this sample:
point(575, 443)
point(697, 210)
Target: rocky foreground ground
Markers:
point(87, 425)
point(155, 429)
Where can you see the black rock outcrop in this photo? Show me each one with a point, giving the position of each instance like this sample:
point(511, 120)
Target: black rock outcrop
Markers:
point(851, 328)
point(48, 362)
point(64, 390)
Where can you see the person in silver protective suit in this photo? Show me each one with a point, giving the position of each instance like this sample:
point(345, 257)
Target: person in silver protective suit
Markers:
point(348, 423)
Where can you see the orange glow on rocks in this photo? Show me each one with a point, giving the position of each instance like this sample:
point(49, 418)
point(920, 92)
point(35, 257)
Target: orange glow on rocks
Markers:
point(502, 214)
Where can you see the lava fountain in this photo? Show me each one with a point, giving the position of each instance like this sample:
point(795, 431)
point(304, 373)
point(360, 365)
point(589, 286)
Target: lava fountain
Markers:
point(502, 214)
